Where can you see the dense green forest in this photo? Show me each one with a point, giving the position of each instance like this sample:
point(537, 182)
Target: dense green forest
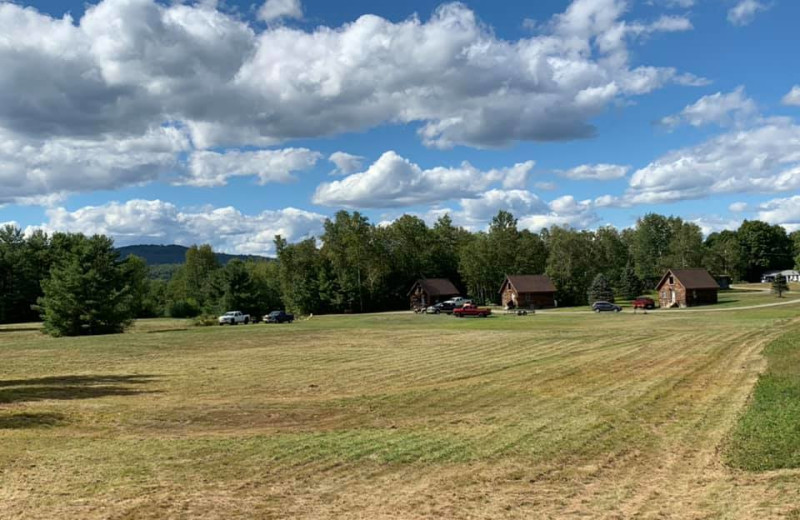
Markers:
point(357, 266)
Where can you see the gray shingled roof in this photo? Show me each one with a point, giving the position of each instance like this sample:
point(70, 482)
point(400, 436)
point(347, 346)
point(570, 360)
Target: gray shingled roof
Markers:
point(692, 278)
point(531, 283)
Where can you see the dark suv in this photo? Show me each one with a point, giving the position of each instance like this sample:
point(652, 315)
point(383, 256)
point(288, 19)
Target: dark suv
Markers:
point(605, 307)
point(444, 307)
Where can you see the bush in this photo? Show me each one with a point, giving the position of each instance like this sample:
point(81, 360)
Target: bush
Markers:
point(183, 309)
point(205, 320)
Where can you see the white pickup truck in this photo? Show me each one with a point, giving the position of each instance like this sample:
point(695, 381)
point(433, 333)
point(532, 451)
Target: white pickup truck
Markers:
point(234, 318)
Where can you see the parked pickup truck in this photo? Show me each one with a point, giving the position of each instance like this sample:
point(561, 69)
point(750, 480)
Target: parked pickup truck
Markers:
point(234, 318)
point(643, 302)
point(471, 309)
point(279, 317)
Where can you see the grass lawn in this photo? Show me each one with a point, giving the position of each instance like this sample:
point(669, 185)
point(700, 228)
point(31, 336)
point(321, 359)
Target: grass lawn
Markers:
point(390, 416)
point(768, 435)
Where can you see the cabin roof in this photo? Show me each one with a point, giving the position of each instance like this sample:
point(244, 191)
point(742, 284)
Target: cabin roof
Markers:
point(436, 287)
point(530, 283)
point(691, 278)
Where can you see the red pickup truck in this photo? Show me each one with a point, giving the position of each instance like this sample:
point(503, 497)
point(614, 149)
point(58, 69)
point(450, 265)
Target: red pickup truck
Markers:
point(471, 309)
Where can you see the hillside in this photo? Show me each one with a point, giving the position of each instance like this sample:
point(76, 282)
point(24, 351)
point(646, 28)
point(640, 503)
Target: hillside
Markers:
point(174, 254)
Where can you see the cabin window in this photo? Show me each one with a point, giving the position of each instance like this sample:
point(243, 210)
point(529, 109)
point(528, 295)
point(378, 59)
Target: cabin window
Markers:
point(664, 294)
point(671, 281)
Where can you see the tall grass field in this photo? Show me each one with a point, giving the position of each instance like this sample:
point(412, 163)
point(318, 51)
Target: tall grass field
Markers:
point(680, 414)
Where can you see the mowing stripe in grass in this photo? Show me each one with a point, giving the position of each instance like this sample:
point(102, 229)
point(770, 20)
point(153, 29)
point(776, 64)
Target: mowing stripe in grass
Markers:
point(768, 434)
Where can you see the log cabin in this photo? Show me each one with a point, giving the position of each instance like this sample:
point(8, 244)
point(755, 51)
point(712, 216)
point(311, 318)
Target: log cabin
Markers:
point(528, 291)
point(687, 288)
point(429, 291)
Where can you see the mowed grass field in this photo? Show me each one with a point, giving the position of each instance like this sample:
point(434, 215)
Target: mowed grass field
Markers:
point(391, 416)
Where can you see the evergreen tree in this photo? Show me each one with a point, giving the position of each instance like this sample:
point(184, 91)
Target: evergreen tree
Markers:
point(779, 285)
point(631, 285)
point(240, 292)
point(137, 274)
point(87, 291)
point(600, 290)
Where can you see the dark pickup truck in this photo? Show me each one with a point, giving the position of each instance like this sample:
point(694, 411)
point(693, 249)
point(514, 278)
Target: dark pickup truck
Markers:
point(279, 317)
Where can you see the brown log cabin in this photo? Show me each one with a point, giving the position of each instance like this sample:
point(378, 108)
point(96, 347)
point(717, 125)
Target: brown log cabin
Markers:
point(528, 291)
point(687, 288)
point(429, 291)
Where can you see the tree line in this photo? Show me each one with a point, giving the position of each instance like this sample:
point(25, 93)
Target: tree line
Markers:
point(78, 285)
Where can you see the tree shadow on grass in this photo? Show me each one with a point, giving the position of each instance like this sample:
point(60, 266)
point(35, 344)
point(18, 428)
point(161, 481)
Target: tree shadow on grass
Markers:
point(72, 387)
point(21, 421)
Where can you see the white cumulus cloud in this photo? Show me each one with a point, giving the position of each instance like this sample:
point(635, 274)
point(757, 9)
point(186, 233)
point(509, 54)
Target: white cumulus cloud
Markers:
point(277, 9)
point(745, 11)
point(127, 69)
point(208, 168)
point(597, 172)
point(785, 212)
point(346, 163)
point(764, 159)
point(394, 181)
point(792, 98)
point(720, 109)
point(156, 221)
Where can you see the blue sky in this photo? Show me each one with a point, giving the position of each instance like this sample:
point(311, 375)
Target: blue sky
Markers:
point(223, 122)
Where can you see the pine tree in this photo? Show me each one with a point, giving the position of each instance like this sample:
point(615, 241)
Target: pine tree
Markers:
point(779, 285)
point(631, 285)
point(600, 290)
point(240, 290)
point(87, 291)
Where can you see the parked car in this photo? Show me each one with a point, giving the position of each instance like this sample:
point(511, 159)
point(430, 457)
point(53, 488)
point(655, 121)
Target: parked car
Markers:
point(279, 317)
point(643, 302)
point(605, 307)
point(233, 318)
point(471, 309)
point(458, 301)
point(439, 308)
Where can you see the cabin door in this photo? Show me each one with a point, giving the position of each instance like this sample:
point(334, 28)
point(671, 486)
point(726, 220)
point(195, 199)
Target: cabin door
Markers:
point(673, 295)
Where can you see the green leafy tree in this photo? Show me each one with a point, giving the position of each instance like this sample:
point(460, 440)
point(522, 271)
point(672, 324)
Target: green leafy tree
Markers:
point(266, 284)
point(685, 246)
point(447, 243)
point(763, 247)
point(87, 291)
point(722, 254)
point(779, 285)
point(600, 290)
point(531, 257)
point(475, 265)
point(611, 254)
point(299, 268)
point(201, 277)
point(571, 264)
point(651, 246)
point(348, 247)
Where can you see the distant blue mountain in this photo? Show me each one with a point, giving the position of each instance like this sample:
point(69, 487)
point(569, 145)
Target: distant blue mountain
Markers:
point(175, 254)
